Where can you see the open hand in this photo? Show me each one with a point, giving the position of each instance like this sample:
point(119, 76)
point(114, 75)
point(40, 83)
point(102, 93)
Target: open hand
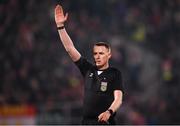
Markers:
point(60, 18)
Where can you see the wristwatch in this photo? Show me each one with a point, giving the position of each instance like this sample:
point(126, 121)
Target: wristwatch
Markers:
point(110, 111)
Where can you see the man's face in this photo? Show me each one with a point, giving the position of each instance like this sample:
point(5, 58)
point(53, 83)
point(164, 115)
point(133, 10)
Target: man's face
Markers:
point(101, 56)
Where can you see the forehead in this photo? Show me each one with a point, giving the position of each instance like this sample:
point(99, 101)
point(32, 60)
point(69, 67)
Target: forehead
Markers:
point(100, 49)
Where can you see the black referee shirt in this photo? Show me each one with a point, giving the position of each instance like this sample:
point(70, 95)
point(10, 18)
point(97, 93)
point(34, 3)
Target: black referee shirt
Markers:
point(98, 94)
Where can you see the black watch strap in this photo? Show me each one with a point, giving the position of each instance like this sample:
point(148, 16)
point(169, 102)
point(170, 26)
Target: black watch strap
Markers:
point(110, 111)
point(59, 28)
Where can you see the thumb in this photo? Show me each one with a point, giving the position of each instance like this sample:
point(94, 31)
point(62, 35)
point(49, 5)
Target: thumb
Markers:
point(99, 117)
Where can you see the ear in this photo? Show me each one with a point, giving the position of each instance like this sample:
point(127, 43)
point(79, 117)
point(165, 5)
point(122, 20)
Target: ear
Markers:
point(109, 56)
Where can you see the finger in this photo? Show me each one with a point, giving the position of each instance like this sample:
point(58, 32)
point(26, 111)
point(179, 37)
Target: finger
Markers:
point(57, 6)
point(58, 10)
point(100, 117)
point(104, 118)
point(56, 13)
point(100, 120)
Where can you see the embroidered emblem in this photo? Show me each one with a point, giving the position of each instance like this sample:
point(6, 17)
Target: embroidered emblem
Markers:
point(91, 74)
point(103, 86)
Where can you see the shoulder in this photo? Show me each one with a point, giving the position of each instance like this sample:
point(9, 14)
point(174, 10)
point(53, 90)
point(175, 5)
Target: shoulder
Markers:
point(83, 61)
point(84, 65)
point(114, 70)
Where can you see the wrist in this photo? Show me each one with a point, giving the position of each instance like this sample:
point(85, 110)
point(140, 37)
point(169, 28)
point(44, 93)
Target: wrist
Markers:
point(60, 24)
point(110, 111)
point(60, 27)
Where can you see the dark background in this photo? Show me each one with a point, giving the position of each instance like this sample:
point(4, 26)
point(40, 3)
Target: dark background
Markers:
point(36, 70)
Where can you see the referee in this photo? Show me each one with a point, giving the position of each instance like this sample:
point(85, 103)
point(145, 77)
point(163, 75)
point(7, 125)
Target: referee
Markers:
point(103, 84)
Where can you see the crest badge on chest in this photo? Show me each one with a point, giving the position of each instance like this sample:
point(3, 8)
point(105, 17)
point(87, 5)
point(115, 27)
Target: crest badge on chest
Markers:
point(103, 86)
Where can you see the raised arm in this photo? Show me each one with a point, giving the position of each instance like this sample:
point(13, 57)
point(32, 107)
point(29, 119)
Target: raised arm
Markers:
point(60, 18)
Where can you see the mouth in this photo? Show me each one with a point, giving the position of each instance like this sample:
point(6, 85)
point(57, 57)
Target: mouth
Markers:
point(98, 61)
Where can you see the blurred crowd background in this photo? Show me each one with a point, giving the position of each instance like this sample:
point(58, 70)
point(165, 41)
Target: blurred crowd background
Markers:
point(36, 70)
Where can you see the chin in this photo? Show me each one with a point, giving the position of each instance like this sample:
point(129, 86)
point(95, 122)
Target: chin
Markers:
point(98, 66)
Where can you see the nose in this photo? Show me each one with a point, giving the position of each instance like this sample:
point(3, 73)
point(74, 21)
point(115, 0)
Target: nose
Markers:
point(98, 56)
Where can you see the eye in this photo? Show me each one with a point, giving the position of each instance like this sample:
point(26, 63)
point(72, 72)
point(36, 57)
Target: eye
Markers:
point(101, 53)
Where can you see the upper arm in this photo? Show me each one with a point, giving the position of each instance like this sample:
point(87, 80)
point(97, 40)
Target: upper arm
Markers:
point(118, 86)
point(68, 45)
point(74, 54)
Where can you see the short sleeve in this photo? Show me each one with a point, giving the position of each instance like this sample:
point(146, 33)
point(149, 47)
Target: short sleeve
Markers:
point(118, 82)
point(83, 65)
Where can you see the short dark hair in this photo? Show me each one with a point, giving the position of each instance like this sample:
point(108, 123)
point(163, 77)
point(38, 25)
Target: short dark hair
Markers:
point(103, 44)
